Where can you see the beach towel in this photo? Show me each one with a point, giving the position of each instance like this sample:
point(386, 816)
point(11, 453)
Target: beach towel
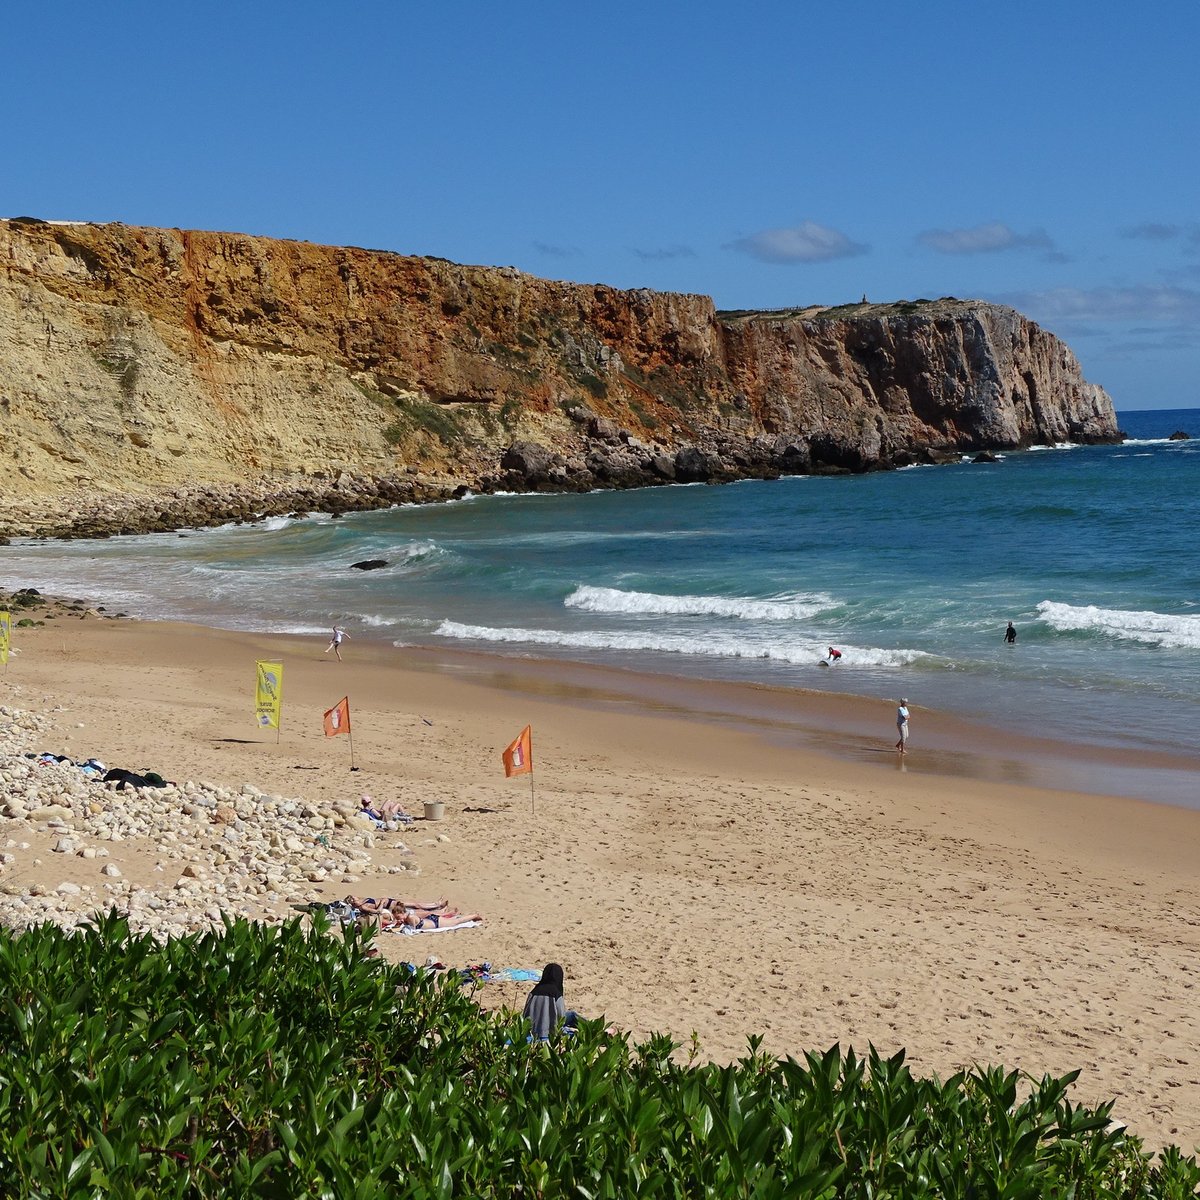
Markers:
point(409, 931)
point(486, 973)
point(399, 821)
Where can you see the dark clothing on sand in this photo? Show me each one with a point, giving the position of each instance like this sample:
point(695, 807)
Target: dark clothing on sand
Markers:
point(544, 1008)
point(124, 778)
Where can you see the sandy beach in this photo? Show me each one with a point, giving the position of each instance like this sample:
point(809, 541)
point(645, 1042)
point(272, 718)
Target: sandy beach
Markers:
point(706, 858)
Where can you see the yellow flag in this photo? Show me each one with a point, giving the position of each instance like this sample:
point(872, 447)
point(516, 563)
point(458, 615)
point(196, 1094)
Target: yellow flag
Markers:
point(269, 694)
point(5, 634)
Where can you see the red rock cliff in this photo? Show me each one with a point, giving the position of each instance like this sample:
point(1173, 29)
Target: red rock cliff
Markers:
point(142, 360)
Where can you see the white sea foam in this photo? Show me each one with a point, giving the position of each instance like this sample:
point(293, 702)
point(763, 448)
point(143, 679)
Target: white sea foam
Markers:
point(614, 600)
point(707, 646)
point(417, 551)
point(396, 557)
point(1150, 628)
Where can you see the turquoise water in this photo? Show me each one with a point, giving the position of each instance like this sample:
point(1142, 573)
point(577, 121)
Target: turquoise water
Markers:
point(913, 574)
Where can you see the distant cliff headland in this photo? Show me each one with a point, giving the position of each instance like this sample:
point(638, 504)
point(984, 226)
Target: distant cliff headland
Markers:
point(153, 378)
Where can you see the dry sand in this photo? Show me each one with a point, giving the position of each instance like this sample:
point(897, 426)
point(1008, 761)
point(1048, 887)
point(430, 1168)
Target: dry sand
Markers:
point(694, 873)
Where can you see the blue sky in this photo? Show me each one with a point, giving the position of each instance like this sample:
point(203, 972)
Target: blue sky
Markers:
point(769, 154)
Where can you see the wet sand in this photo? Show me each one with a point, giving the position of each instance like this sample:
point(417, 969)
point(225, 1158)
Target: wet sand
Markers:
point(710, 857)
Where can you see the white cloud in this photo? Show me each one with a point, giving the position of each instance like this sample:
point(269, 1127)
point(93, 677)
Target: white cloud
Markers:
point(1141, 302)
point(665, 252)
point(1153, 231)
point(989, 238)
point(552, 251)
point(807, 242)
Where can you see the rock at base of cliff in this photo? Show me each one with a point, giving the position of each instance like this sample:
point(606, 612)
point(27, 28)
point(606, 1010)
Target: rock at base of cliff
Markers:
point(1179, 436)
point(528, 460)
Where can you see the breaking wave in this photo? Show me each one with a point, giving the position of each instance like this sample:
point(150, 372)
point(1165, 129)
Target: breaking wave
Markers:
point(708, 646)
point(614, 600)
point(1150, 628)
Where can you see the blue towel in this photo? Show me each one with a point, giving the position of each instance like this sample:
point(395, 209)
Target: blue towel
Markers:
point(486, 973)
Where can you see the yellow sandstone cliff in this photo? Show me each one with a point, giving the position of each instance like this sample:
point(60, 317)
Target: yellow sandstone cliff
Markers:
point(156, 365)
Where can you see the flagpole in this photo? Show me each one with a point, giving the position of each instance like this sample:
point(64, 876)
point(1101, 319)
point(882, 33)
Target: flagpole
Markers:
point(532, 801)
point(350, 735)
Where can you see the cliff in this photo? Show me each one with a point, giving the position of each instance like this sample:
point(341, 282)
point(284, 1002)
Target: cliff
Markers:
point(152, 377)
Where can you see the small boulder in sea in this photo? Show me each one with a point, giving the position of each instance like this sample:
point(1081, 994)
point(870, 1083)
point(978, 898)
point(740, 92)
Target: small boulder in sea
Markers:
point(369, 564)
point(985, 456)
point(1179, 436)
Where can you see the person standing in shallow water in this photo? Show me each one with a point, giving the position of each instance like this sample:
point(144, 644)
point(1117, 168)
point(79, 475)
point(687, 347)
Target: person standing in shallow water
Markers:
point(902, 726)
point(1010, 634)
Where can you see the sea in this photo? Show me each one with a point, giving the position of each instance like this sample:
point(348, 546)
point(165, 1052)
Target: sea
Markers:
point(1090, 551)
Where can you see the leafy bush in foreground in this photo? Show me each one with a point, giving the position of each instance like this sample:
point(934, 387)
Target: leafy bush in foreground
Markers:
point(283, 1063)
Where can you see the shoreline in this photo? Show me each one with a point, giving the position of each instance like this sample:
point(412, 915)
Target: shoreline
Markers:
point(761, 885)
point(848, 727)
point(845, 726)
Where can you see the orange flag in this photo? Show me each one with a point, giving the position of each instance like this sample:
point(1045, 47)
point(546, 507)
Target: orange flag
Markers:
point(518, 758)
point(337, 719)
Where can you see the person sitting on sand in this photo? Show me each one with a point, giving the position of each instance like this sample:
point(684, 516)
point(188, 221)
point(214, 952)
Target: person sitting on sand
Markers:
point(385, 810)
point(544, 1007)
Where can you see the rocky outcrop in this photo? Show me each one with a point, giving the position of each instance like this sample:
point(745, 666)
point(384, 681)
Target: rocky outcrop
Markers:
point(153, 377)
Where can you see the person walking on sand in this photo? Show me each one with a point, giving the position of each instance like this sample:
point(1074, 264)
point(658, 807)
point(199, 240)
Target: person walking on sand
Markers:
point(902, 726)
point(1010, 635)
point(335, 642)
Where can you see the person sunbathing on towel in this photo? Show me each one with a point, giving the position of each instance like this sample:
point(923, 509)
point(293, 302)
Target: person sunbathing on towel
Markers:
point(388, 919)
point(369, 904)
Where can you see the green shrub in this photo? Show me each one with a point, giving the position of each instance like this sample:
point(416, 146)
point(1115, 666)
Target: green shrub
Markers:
point(423, 416)
point(265, 1062)
point(510, 412)
point(594, 384)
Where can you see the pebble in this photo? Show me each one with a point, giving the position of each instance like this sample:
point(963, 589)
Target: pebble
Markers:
point(244, 849)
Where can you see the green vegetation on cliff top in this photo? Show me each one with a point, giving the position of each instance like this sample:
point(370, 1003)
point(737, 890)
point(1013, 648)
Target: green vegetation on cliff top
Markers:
point(947, 306)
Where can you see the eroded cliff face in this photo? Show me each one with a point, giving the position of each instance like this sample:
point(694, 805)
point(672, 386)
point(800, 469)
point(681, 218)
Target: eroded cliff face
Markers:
point(153, 362)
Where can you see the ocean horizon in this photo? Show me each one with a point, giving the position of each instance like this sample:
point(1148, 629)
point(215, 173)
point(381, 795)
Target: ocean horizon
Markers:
point(912, 575)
